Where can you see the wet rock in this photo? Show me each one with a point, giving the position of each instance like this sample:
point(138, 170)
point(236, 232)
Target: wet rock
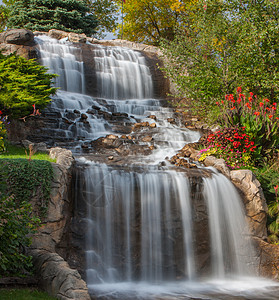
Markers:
point(70, 115)
point(76, 111)
point(83, 116)
point(147, 139)
point(140, 125)
point(153, 125)
point(171, 120)
point(217, 163)
point(110, 157)
point(77, 38)
point(57, 34)
point(90, 111)
point(152, 117)
point(95, 107)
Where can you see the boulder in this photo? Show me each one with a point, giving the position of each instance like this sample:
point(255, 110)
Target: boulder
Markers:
point(57, 34)
point(77, 38)
point(18, 37)
point(254, 200)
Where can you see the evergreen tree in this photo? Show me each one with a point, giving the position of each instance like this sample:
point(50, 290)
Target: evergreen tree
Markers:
point(24, 85)
point(43, 15)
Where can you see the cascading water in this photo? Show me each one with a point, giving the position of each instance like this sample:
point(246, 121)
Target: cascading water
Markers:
point(150, 231)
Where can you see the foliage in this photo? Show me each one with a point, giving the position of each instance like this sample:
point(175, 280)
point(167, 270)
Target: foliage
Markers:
point(4, 13)
point(23, 294)
point(227, 44)
point(268, 176)
point(259, 118)
point(16, 224)
point(3, 132)
point(24, 84)
point(26, 179)
point(149, 20)
point(231, 144)
point(43, 15)
point(106, 12)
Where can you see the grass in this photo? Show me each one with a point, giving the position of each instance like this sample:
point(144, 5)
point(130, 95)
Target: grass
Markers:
point(24, 294)
point(14, 152)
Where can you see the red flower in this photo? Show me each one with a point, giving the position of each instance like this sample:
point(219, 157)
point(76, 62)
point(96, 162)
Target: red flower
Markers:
point(239, 90)
point(261, 104)
point(251, 94)
point(256, 113)
point(1, 112)
point(233, 108)
point(217, 103)
point(270, 116)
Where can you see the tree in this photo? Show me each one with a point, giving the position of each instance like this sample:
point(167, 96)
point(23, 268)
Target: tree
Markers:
point(228, 44)
point(4, 13)
point(23, 84)
point(106, 12)
point(43, 15)
point(149, 20)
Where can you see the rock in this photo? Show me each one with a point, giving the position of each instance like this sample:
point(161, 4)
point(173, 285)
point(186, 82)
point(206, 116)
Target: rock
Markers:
point(37, 147)
point(171, 120)
point(95, 107)
point(152, 117)
point(218, 164)
point(83, 116)
point(57, 278)
point(110, 157)
point(57, 34)
point(63, 157)
point(112, 136)
point(147, 139)
point(18, 37)
point(254, 200)
point(153, 125)
point(77, 38)
point(76, 111)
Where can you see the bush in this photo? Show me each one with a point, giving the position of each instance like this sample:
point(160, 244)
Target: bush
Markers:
point(20, 181)
point(24, 86)
point(16, 225)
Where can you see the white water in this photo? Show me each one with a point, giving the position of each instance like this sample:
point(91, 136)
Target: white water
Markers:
point(146, 206)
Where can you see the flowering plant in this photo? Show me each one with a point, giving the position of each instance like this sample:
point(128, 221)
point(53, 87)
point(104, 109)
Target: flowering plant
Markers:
point(231, 144)
point(260, 119)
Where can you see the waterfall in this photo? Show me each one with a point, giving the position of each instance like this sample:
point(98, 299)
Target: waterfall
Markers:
point(122, 74)
point(147, 230)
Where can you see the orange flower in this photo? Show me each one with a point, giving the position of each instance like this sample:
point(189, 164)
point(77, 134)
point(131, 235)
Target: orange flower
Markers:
point(256, 113)
point(261, 104)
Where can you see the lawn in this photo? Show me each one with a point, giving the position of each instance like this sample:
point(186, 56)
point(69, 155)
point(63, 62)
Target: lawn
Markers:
point(24, 294)
point(14, 152)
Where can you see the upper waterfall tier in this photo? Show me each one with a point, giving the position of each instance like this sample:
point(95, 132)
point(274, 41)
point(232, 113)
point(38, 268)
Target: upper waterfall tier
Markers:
point(118, 73)
point(64, 60)
point(122, 74)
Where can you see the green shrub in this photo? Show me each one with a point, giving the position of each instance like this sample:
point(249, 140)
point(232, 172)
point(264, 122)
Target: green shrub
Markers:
point(24, 86)
point(20, 181)
point(25, 179)
point(16, 225)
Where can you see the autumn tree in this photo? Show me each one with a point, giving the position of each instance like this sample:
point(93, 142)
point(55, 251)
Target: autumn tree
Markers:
point(229, 44)
point(149, 20)
point(43, 15)
point(106, 12)
point(4, 12)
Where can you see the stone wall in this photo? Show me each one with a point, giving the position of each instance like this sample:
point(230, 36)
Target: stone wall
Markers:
point(53, 272)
